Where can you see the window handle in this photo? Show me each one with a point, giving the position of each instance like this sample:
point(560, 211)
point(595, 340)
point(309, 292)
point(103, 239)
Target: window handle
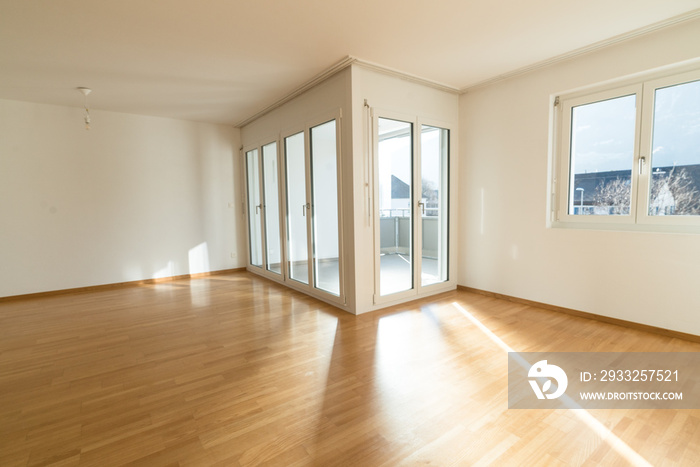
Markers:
point(422, 207)
point(258, 208)
point(304, 207)
point(642, 161)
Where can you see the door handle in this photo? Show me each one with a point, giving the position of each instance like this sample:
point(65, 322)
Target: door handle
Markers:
point(642, 161)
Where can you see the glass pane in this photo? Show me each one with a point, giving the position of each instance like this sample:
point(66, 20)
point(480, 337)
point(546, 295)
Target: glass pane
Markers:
point(395, 160)
point(272, 208)
point(675, 170)
point(602, 154)
point(434, 203)
point(254, 207)
point(324, 192)
point(298, 254)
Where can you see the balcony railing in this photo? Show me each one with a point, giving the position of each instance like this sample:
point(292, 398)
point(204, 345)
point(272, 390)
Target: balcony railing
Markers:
point(429, 212)
point(395, 232)
point(600, 210)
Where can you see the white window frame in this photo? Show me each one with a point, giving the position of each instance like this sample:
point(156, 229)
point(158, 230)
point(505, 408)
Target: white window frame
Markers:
point(644, 89)
point(650, 88)
point(306, 128)
point(418, 290)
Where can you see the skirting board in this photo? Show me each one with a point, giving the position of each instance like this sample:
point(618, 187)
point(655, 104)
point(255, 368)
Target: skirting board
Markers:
point(118, 285)
point(583, 314)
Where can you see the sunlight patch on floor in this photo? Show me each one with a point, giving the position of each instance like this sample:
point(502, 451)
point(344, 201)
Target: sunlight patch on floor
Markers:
point(622, 448)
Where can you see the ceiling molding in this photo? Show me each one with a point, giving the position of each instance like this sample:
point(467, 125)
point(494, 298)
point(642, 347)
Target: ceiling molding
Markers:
point(324, 75)
point(406, 76)
point(339, 66)
point(319, 78)
point(691, 15)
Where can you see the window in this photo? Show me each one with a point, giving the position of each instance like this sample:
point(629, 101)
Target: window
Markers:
point(313, 211)
point(263, 208)
point(675, 151)
point(395, 177)
point(324, 202)
point(254, 207)
point(630, 155)
point(297, 207)
point(412, 207)
point(271, 209)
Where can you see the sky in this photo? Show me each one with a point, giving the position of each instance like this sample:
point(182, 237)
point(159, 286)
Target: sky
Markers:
point(603, 133)
point(395, 158)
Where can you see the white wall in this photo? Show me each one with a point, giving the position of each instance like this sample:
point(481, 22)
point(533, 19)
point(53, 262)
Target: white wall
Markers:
point(651, 278)
point(133, 198)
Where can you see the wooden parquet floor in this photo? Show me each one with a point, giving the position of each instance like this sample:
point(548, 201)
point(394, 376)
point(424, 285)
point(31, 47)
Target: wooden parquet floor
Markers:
point(235, 370)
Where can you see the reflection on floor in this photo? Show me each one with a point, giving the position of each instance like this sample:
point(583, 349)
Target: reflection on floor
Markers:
point(236, 370)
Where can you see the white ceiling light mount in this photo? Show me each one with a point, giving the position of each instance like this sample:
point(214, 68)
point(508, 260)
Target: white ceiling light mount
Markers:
point(85, 92)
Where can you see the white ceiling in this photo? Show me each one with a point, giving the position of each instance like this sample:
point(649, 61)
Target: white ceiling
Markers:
point(224, 60)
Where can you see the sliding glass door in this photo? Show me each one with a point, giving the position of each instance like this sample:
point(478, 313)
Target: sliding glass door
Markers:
point(271, 209)
point(324, 196)
point(297, 208)
point(313, 209)
point(412, 200)
point(395, 160)
point(434, 205)
point(293, 209)
point(254, 208)
point(262, 192)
